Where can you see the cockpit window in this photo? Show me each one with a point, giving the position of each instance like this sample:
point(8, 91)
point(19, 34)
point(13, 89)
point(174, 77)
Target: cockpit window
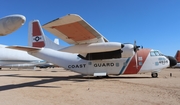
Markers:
point(152, 53)
point(155, 53)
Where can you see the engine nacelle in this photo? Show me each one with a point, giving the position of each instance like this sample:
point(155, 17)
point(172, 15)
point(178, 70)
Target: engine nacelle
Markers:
point(93, 47)
point(128, 51)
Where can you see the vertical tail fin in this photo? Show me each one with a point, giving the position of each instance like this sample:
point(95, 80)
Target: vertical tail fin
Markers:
point(36, 37)
point(177, 56)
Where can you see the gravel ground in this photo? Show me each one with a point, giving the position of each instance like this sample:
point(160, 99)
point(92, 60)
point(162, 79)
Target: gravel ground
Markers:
point(60, 87)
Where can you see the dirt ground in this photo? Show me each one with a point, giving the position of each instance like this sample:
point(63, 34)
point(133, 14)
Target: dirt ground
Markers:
point(60, 87)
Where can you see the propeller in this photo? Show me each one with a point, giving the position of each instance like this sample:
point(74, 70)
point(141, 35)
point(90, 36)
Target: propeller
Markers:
point(136, 48)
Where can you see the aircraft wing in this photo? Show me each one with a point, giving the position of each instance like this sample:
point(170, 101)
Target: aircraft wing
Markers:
point(74, 30)
point(24, 48)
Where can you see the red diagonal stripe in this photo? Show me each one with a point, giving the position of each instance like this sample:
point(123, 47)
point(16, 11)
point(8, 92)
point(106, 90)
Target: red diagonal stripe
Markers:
point(131, 68)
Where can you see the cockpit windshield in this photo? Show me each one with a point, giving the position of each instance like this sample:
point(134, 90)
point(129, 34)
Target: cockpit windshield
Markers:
point(156, 53)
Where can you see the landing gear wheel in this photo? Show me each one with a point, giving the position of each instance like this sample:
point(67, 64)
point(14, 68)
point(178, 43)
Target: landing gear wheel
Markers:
point(107, 76)
point(154, 75)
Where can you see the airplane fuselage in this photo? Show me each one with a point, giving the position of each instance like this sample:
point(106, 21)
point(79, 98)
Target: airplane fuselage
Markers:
point(146, 62)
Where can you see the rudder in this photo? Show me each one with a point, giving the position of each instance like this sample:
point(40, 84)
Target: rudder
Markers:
point(37, 38)
point(177, 56)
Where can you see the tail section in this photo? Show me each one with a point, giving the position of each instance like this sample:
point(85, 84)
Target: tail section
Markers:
point(177, 56)
point(36, 37)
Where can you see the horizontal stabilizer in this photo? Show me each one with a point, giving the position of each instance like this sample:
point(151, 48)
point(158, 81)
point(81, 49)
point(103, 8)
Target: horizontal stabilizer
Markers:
point(24, 48)
point(100, 74)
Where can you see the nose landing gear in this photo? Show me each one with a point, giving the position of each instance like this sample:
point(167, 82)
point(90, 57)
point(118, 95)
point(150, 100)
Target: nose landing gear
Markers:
point(154, 75)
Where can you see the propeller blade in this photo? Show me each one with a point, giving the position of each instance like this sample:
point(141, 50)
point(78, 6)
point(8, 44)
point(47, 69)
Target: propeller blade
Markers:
point(136, 60)
point(136, 48)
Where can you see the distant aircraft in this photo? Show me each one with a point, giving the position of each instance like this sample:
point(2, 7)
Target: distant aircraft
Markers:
point(177, 57)
point(11, 23)
point(10, 58)
point(91, 53)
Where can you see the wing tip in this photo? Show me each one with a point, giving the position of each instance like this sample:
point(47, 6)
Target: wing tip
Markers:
point(71, 15)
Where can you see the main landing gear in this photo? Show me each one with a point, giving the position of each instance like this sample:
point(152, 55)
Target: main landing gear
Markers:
point(154, 75)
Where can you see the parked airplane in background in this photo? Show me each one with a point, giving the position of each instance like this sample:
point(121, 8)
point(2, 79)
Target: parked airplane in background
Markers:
point(10, 58)
point(11, 23)
point(177, 57)
point(91, 53)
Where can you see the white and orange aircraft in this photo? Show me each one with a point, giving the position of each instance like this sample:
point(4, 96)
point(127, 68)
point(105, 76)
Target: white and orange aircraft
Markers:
point(177, 57)
point(91, 53)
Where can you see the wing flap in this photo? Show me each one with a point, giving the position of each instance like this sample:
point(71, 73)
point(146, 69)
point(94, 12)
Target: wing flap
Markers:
point(74, 30)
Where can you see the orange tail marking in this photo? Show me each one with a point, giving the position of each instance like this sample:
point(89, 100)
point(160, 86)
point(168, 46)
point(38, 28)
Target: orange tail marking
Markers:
point(38, 40)
point(178, 56)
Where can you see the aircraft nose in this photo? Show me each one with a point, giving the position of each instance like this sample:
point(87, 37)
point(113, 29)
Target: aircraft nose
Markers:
point(172, 61)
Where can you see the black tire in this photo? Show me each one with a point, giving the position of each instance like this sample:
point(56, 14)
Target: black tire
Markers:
point(154, 75)
point(107, 76)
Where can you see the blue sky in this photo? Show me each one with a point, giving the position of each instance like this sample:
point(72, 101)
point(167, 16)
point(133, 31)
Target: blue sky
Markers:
point(152, 23)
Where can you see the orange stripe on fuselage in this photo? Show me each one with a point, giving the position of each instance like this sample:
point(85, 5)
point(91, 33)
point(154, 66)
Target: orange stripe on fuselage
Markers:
point(131, 67)
point(36, 29)
point(75, 31)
